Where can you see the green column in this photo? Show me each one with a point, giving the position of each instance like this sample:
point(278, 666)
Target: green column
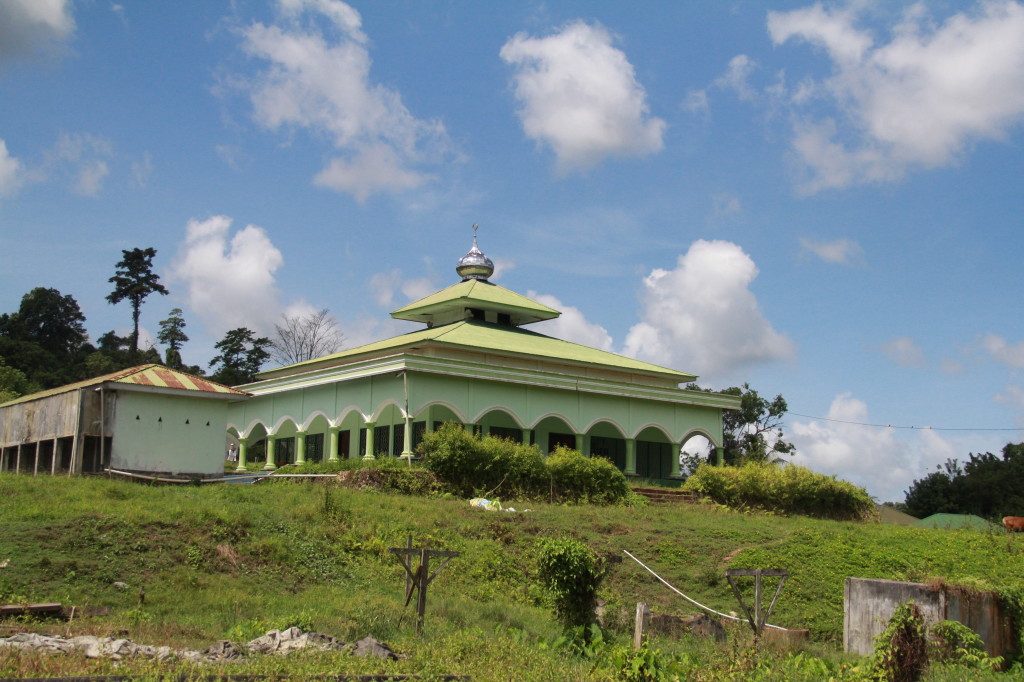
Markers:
point(527, 436)
point(675, 462)
point(580, 445)
point(630, 457)
point(428, 414)
point(332, 440)
point(243, 450)
point(270, 466)
point(719, 456)
point(300, 447)
point(368, 454)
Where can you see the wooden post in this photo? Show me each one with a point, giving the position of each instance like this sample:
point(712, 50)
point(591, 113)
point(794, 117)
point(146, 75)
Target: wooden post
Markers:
point(643, 618)
point(757, 619)
point(421, 578)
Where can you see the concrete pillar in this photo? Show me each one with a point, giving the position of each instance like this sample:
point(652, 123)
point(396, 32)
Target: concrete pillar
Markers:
point(368, 453)
point(300, 447)
point(527, 436)
point(35, 466)
point(580, 445)
point(243, 448)
point(428, 414)
point(675, 461)
point(407, 438)
point(332, 440)
point(270, 465)
point(630, 457)
point(55, 458)
point(720, 456)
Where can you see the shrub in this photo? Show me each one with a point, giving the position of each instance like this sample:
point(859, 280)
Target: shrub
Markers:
point(955, 643)
point(788, 489)
point(575, 478)
point(571, 572)
point(900, 650)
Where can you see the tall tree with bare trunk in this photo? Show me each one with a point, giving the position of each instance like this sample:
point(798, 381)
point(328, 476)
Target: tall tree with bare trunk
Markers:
point(305, 337)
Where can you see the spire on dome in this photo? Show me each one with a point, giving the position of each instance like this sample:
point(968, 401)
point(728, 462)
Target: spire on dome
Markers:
point(474, 265)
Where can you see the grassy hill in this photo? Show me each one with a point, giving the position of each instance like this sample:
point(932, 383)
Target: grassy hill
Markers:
point(232, 561)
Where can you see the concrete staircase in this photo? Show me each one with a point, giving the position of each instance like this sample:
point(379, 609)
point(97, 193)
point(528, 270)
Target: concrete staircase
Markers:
point(673, 495)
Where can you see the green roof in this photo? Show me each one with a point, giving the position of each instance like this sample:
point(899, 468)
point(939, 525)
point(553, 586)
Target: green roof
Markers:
point(486, 337)
point(473, 293)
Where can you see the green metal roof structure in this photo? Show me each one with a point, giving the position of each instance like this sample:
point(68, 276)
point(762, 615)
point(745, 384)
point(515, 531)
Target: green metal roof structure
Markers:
point(475, 364)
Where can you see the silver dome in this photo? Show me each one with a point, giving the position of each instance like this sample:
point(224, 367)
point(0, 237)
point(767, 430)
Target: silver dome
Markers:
point(474, 265)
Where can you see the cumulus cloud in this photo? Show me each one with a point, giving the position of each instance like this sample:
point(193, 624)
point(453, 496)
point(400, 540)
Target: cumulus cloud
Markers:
point(726, 204)
point(11, 171)
point(917, 101)
point(229, 278)
point(1009, 354)
point(840, 251)
point(701, 316)
point(31, 26)
point(904, 351)
point(571, 325)
point(869, 456)
point(320, 81)
point(579, 95)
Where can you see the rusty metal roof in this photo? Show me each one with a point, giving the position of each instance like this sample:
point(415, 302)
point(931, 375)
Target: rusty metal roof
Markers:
point(153, 375)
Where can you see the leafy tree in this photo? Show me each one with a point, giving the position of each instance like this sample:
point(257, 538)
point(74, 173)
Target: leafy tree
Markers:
point(114, 353)
point(45, 339)
point(572, 574)
point(13, 383)
point(240, 358)
point(133, 281)
point(173, 335)
point(986, 485)
point(754, 432)
point(305, 337)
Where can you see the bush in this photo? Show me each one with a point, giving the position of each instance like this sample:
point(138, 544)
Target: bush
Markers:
point(788, 489)
point(470, 466)
point(575, 478)
point(572, 573)
point(900, 650)
point(954, 643)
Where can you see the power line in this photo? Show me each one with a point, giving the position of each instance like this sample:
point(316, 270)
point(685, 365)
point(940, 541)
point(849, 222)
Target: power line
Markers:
point(894, 426)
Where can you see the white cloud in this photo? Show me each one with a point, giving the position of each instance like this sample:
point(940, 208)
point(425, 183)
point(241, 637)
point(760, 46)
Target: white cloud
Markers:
point(840, 251)
point(726, 204)
point(82, 159)
point(919, 100)
point(904, 351)
point(323, 84)
point(1011, 355)
point(11, 171)
point(579, 95)
point(701, 317)
point(869, 456)
point(737, 77)
point(571, 325)
point(29, 26)
point(383, 286)
point(229, 278)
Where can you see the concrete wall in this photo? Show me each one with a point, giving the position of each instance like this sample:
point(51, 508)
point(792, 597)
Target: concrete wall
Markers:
point(869, 604)
point(160, 433)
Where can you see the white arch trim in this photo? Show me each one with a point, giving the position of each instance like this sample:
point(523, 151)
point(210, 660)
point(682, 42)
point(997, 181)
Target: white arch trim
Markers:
point(443, 403)
point(496, 408)
point(383, 406)
point(346, 411)
point(600, 420)
point(309, 420)
point(557, 416)
point(699, 432)
point(659, 427)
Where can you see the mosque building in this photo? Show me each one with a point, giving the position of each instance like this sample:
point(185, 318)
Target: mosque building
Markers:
point(475, 363)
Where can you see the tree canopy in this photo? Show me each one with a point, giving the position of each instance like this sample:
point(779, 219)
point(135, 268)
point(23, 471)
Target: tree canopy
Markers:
point(133, 281)
point(754, 432)
point(240, 358)
point(45, 339)
point(172, 334)
point(987, 485)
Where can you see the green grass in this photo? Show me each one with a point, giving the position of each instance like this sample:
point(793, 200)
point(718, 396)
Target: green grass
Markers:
point(230, 561)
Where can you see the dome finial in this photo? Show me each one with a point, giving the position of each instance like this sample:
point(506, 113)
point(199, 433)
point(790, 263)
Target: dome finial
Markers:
point(474, 265)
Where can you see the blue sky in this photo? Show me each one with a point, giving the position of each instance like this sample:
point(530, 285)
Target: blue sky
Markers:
point(823, 200)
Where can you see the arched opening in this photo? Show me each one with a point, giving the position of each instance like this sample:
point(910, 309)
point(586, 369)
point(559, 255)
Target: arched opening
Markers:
point(284, 443)
point(256, 447)
point(696, 450)
point(500, 424)
point(348, 435)
point(606, 440)
point(654, 454)
point(317, 439)
point(551, 432)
